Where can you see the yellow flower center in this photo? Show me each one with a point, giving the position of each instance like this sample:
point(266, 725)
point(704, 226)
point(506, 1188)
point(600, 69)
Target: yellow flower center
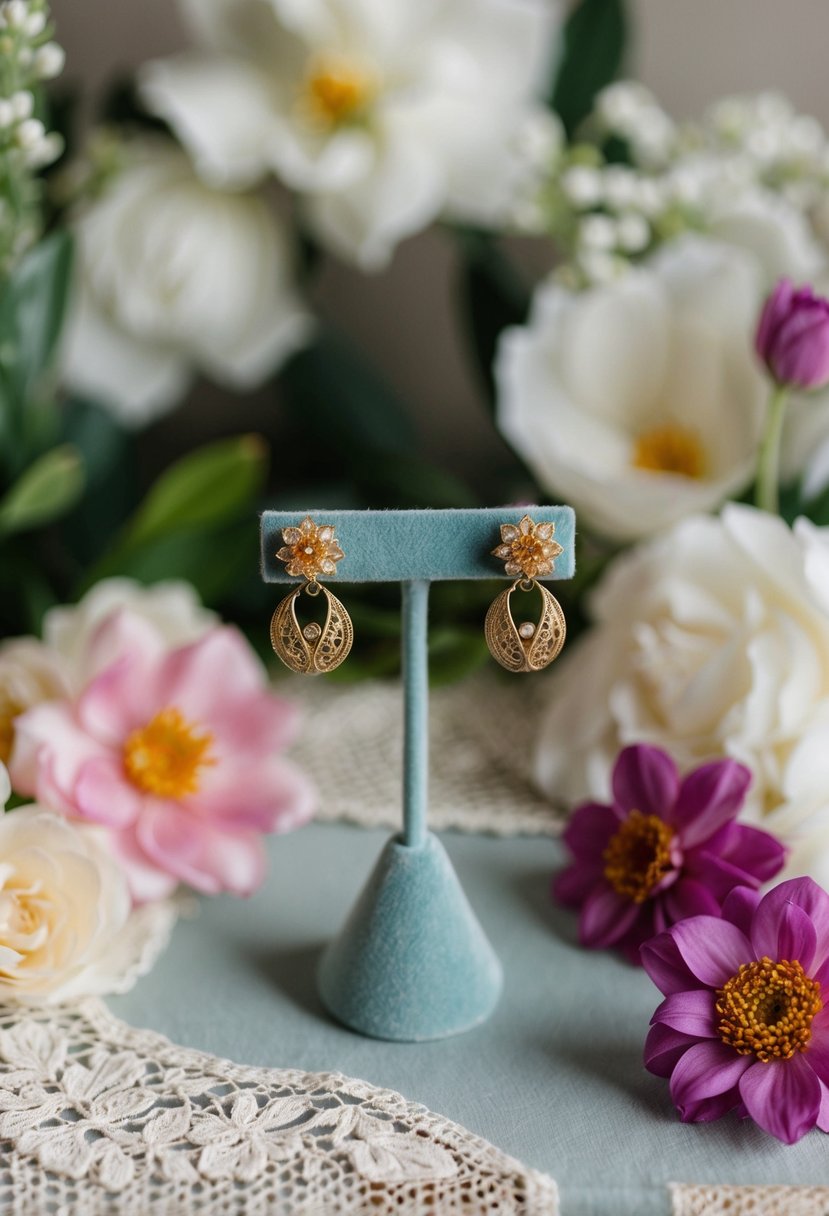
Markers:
point(337, 91)
point(767, 1008)
point(670, 448)
point(527, 551)
point(166, 756)
point(638, 856)
point(309, 553)
point(9, 710)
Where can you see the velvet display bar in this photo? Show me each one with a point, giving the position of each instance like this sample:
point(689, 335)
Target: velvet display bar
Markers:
point(401, 546)
point(412, 962)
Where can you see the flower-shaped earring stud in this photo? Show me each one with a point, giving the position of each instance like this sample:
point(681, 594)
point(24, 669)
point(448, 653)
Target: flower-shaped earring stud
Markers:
point(529, 551)
point(310, 550)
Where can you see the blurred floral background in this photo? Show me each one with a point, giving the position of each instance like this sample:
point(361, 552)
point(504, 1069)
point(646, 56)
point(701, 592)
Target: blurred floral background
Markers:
point(364, 253)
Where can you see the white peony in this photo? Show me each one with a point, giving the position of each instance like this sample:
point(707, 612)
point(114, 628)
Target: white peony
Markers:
point(712, 640)
point(383, 113)
point(172, 608)
point(640, 401)
point(174, 277)
point(66, 925)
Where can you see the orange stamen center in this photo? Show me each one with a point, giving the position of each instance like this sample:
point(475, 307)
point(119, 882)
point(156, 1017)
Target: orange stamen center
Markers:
point(166, 756)
point(337, 91)
point(638, 856)
point(670, 449)
point(767, 1009)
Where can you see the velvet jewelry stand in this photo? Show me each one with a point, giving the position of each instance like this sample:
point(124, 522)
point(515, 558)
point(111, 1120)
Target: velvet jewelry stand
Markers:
point(411, 962)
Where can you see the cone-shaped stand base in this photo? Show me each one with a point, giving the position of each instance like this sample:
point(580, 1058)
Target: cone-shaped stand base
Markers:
point(411, 962)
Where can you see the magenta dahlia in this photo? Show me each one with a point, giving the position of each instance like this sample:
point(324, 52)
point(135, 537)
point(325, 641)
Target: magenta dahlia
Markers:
point(745, 1021)
point(664, 849)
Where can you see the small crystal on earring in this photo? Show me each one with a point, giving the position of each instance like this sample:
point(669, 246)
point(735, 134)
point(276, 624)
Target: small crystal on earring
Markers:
point(526, 629)
point(311, 632)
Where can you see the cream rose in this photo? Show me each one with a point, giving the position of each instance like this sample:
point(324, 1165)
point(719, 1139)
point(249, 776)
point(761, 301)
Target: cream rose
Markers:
point(29, 674)
point(712, 640)
point(640, 402)
point(174, 277)
point(66, 926)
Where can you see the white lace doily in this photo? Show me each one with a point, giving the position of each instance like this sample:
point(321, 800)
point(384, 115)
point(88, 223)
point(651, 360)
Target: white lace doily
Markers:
point(480, 734)
point(97, 1118)
point(749, 1200)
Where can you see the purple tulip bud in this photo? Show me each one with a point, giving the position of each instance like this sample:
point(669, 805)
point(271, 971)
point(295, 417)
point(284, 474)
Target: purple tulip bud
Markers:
point(793, 336)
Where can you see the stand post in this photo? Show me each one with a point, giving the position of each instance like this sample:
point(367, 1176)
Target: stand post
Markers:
point(415, 713)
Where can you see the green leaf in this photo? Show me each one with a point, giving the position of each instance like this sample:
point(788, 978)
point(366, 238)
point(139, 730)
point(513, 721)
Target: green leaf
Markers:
point(593, 44)
point(455, 653)
point(340, 404)
point(492, 298)
point(204, 489)
point(111, 479)
point(32, 309)
point(408, 481)
point(46, 490)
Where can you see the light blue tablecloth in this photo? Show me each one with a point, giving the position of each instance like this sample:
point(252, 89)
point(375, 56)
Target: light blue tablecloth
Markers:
point(555, 1077)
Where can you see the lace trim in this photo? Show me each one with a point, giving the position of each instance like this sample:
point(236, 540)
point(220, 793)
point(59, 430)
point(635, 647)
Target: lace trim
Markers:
point(749, 1200)
point(480, 772)
point(96, 1117)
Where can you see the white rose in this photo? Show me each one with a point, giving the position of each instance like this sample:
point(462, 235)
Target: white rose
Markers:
point(66, 928)
point(174, 277)
point(172, 609)
point(711, 640)
point(29, 674)
point(640, 401)
point(383, 113)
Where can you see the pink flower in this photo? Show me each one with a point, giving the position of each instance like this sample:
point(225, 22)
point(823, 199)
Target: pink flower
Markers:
point(745, 1020)
point(793, 336)
point(663, 850)
point(175, 751)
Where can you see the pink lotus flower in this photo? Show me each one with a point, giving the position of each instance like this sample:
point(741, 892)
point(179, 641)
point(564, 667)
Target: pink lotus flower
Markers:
point(175, 751)
point(663, 850)
point(745, 1021)
point(793, 336)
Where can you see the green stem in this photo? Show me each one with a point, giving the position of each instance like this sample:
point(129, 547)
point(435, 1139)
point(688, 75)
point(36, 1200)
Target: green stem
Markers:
point(765, 494)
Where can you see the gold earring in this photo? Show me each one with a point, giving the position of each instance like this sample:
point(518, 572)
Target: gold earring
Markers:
point(529, 551)
point(308, 551)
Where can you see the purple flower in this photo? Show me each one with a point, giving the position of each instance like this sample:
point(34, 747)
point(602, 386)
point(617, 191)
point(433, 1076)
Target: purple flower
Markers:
point(793, 336)
point(745, 1020)
point(663, 850)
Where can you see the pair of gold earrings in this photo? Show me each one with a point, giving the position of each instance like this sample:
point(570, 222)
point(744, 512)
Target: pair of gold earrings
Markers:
point(528, 550)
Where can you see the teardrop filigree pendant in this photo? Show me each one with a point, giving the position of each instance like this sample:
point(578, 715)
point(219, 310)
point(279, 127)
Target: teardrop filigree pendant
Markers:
point(529, 646)
point(313, 648)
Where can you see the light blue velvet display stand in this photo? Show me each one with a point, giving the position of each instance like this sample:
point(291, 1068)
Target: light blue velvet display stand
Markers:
point(412, 963)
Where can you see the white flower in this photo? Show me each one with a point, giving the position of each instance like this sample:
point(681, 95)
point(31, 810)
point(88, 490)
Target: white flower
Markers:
point(383, 113)
point(712, 640)
point(639, 402)
point(171, 608)
point(174, 276)
point(65, 924)
point(30, 673)
point(771, 228)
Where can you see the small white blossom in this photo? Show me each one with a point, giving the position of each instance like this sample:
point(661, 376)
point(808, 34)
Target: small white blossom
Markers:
point(16, 12)
point(23, 105)
point(30, 133)
point(582, 185)
point(619, 187)
point(35, 24)
point(598, 232)
point(6, 114)
point(49, 61)
point(634, 232)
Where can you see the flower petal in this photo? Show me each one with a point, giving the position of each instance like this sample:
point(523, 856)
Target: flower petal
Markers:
point(823, 1114)
point(739, 907)
point(645, 779)
point(589, 829)
point(707, 1070)
point(757, 852)
point(709, 797)
point(687, 897)
point(665, 965)
point(605, 917)
point(783, 1097)
point(817, 1053)
point(782, 927)
point(664, 1047)
point(573, 884)
point(689, 1012)
point(713, 949)
point(104, 795)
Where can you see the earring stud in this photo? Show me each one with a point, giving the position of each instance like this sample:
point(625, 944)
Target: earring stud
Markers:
point(310, 550)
